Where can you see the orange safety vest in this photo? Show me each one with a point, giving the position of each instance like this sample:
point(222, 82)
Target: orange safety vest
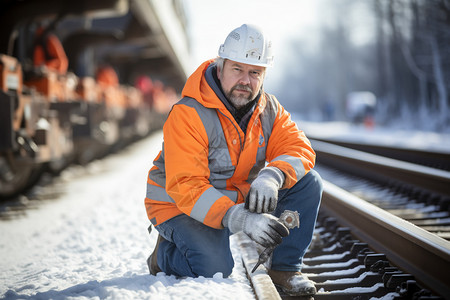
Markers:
point(207, 163)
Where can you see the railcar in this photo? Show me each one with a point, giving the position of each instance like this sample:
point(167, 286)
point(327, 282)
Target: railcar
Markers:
point(55, 107)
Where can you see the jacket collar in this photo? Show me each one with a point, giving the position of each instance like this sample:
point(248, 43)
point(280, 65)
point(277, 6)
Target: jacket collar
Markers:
point(214, 83)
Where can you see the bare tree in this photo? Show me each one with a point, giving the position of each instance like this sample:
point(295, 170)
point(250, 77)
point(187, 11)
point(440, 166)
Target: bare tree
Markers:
point(406, 65)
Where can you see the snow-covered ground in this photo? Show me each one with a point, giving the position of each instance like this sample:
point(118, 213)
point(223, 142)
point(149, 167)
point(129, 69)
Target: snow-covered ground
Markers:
point(86, 235)
point(91, 242)
point(423, 140)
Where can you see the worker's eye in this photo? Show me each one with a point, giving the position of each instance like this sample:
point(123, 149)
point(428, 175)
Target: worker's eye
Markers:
point(255, 74)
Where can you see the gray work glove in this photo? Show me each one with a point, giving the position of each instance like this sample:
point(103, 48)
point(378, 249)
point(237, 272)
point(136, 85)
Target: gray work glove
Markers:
point(263, 194)
point(264, 229)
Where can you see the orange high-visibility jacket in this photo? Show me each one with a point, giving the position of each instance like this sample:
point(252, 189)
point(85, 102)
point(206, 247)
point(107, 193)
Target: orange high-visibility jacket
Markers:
point(207, 163)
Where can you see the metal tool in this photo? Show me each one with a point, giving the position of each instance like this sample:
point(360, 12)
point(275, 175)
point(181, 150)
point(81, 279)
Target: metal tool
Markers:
point(290, 219)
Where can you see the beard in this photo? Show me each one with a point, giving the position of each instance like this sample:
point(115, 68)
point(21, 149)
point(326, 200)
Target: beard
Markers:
point(240, 100)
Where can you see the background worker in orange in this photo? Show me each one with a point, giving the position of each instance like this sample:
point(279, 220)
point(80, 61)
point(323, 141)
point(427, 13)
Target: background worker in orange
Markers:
point(107, 76)
point(49, 52)
point(226, 142)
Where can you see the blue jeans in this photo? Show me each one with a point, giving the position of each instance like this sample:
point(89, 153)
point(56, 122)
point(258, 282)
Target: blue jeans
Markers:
point(193, 249)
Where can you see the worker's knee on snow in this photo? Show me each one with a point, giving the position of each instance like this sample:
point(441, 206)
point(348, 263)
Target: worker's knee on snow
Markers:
point(207, 265)
point(209, 270)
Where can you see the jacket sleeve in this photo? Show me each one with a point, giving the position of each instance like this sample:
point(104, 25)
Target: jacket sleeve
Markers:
point(187, 172)
point(289, 149)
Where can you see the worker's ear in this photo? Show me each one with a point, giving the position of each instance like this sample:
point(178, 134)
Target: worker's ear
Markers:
point(219, 72)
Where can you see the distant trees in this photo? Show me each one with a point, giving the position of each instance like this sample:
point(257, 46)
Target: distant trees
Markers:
point(414, 59)
point(405, 62)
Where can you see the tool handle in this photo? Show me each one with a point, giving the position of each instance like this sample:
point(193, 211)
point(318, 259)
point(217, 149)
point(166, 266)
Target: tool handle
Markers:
point(263, 257)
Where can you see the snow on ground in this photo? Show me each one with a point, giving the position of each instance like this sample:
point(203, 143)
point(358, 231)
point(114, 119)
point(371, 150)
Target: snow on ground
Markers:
point(423, 140)
point(91, 242)
point(86, 238)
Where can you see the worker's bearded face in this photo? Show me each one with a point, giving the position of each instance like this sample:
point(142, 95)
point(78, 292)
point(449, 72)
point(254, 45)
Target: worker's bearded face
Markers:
point(241, 82)
point(239, 95)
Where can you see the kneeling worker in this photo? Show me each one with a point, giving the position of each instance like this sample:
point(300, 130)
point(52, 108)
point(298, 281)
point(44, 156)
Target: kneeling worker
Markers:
point(226, 141)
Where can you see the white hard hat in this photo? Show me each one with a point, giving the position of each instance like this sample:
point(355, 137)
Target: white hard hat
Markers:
point(247, 44)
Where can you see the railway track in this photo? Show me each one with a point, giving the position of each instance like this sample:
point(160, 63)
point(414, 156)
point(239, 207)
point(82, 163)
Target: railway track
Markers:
point(382, 232)
point(391, 244)
point(431, 158)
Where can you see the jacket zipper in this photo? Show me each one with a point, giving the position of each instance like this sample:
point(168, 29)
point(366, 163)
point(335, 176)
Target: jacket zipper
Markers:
point(237, 130)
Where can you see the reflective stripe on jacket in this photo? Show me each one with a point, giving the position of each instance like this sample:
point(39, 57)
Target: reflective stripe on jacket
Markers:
point(207, 163)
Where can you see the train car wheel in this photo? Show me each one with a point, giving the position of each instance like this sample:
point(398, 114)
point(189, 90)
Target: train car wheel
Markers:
point(16, 175)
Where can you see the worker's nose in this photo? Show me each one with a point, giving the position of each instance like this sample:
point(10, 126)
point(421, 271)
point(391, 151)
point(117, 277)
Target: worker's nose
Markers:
point(245, 79)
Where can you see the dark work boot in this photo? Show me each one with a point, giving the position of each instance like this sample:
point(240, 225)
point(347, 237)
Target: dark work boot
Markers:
point(152, 259)
point(292, 283)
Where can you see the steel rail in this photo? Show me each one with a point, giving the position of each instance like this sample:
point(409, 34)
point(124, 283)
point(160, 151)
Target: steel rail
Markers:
point(432, 158)
point(262, 285)
point(383, 169)
point(423, 254)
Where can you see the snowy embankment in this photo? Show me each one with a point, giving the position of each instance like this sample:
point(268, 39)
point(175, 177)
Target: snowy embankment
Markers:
point(92, 241)
point(414, 139)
